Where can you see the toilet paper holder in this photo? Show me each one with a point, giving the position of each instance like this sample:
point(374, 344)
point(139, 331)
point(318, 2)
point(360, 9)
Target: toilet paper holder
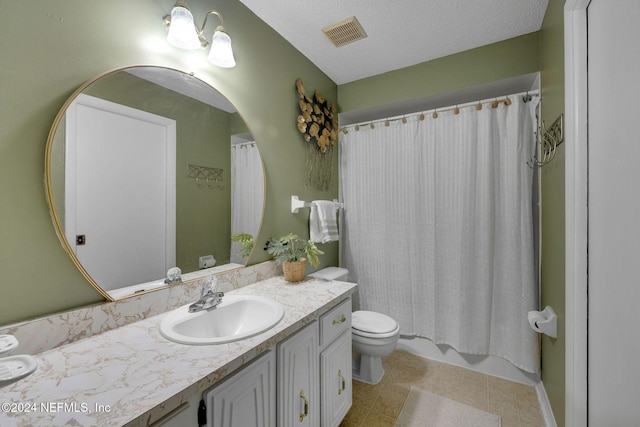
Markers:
point(544, 322)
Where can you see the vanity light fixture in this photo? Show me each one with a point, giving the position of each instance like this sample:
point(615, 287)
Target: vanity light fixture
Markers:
point(184, 34)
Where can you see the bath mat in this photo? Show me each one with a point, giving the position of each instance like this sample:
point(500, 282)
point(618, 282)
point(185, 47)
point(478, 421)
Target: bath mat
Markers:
point(425, 409)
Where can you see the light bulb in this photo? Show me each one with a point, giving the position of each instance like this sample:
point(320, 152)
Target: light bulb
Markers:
point(221, 53)
point(182, 30)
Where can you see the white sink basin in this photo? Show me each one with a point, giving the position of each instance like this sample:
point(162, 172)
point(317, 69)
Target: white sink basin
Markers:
point(237, 317)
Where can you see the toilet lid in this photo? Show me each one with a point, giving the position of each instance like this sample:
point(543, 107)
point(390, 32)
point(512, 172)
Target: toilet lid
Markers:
point(372, 322)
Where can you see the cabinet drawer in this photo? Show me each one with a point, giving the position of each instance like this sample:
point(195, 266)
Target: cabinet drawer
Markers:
point(335, 322)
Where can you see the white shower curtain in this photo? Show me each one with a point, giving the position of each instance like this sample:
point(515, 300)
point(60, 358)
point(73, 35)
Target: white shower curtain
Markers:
point(438, 227)
point(247, 193)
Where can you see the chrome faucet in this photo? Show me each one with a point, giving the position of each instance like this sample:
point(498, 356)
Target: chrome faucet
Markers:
point(209, 298)
point(173, 276)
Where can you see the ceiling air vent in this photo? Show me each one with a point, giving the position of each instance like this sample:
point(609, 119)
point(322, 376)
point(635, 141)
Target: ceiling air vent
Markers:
point(345, 32)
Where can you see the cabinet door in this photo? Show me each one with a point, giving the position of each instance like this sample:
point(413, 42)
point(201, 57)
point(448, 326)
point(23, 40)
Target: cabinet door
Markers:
point(246, 399)
point(299, 379)
point(335, 373)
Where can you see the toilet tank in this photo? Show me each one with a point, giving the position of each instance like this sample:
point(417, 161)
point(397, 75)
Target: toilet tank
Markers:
point(331, 273)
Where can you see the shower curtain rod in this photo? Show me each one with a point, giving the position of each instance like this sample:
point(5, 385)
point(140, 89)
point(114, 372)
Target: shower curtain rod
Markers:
point(434, 111)
point(242, 144)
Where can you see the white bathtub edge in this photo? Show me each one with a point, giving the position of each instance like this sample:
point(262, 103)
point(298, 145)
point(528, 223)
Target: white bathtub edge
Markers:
point(545, 406)
point(490, 365)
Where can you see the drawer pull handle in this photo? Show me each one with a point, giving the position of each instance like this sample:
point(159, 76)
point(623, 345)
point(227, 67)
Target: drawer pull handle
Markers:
point(342, 383)
point(342, 319)
point(306, 406)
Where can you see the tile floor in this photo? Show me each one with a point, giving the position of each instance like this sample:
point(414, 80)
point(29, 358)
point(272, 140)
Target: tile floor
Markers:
point(379, 405)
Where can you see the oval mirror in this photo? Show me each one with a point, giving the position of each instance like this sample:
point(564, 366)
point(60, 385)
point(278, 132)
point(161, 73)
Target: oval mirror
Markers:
point(149, 168)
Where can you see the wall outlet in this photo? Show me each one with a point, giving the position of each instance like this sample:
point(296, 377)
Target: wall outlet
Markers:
point(207, 261)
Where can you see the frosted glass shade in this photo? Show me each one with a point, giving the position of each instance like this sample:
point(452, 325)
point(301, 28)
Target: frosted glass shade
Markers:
point(221, 53)
point(182, 30)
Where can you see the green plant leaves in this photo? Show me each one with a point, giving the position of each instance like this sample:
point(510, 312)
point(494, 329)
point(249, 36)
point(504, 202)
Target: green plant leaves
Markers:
point(290, 248)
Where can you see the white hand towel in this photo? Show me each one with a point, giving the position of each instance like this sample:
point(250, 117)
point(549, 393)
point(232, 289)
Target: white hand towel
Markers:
point(315, 230)
point(323, 225)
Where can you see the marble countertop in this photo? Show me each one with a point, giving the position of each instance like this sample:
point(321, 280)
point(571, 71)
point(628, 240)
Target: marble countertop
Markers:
point(133, 376)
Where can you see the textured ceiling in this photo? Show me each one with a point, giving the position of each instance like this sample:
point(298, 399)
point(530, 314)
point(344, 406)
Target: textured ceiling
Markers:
point(400, 33)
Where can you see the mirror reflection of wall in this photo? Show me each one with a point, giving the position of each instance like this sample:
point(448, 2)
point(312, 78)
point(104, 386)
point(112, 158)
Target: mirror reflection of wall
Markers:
point(204, 134)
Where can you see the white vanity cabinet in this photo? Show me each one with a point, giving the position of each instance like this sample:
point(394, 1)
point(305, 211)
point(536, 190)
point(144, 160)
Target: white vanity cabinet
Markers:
point(335, 368)
point(314, 372)
point(305, 382)
point(245, 399)
point(243, 375)
point(335, 364)
point(299, 379)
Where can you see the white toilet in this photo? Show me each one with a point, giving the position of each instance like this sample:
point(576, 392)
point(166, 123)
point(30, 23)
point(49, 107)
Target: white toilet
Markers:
point(373, 335)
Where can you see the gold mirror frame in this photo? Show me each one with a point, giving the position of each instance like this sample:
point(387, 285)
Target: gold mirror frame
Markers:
point(49, 192)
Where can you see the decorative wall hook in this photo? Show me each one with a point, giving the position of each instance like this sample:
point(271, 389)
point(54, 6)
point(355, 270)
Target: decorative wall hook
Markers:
point(206, 176)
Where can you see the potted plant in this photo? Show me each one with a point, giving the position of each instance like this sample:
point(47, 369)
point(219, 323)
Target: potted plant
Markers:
point(292, 253)
point(246, 243)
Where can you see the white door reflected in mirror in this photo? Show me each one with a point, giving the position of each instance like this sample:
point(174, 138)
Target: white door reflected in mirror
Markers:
point(120, 186)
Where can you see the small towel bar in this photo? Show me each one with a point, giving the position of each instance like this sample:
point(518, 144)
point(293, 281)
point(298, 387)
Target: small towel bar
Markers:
point(296, 204)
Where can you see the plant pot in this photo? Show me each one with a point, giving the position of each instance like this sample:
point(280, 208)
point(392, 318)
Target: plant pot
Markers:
point(294, 270)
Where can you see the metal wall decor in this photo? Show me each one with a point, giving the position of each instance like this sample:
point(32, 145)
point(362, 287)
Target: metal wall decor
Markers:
point(548, 139)
point(206, 176)
point(318, 122)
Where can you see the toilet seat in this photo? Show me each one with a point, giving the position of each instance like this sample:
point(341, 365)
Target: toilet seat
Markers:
point(373, 325)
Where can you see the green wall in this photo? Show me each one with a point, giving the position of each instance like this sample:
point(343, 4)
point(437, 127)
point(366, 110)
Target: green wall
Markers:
point(68, 42)
point(553, 222)
point(510, 58)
